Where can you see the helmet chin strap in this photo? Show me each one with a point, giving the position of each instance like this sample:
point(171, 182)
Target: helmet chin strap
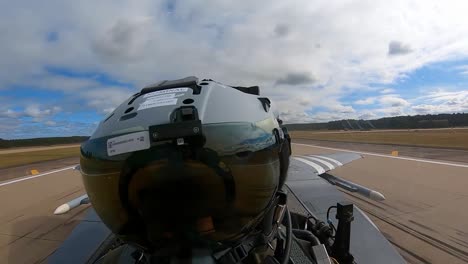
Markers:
point(256, 246)
point(268, 232)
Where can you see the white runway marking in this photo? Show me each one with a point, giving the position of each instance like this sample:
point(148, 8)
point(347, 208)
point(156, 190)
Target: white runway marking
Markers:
point(324, 162)
point(330, 159)
point(35, 176)
point(389, 156)
point(316, 166)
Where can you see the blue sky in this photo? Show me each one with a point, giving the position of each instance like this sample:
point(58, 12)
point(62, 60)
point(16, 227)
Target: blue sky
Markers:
point(67, 65)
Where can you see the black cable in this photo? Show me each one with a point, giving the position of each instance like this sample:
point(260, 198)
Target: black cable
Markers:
point(306, 235)
point(287, 247)
point(328, 211)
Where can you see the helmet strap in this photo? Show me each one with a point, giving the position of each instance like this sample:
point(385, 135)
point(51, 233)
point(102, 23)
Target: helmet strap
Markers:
point(271, 221)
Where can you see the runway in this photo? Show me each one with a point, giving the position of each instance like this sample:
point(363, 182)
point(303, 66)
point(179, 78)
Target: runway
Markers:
point(429, 153)
point(424, 215)
point(29, 232)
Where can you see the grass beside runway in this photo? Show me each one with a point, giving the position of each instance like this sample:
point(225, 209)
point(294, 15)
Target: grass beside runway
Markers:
point(22, 158)
point(449, 138)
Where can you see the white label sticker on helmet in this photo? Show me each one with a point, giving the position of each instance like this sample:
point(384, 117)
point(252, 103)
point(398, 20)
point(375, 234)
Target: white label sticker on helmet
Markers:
point(157, 103)
point(128, 143)
point(167, 91)
point(162, 96)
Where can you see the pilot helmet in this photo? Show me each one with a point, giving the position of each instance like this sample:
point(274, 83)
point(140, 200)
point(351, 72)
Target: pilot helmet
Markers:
point(186, 159)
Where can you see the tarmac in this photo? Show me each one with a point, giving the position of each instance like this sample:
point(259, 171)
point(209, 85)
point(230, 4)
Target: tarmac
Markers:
point(424, 215)
point(443, 154)
point(29, 231)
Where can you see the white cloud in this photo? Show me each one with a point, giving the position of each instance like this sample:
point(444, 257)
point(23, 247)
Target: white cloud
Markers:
point(398, 48)
point(367, 101)
point(296, 79)
point(387, 91)
point(442, 102)
point(105, 100)
point(36, 112)
point(344, 109)
point(126, 40)
point(141, 41)
point(47, 81)
point(281, 30)
point(291, 116)
point(50, 123)
point(463, 69)
point(424, 109)
point(14, 128)
point(391, 111)
point(393, 101)
point(329, 116)
point(367, 115)
point(9, 113)
point(8, 127)
point(459, 97)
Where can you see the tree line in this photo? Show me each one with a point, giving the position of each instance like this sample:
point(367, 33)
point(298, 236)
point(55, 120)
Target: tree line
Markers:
point(397, 122)
point(13, 143)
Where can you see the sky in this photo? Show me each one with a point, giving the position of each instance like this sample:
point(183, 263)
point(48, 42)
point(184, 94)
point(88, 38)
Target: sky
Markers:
point(65, 65)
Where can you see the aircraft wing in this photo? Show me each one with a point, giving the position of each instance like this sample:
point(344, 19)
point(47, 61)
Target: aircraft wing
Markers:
point(313, 193)
point(324, 162)
point(307, 186)
point(85, 241)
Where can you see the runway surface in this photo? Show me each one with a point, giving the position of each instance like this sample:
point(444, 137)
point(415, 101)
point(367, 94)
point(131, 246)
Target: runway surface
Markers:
point(384, 130)
point(424, 216)
point(14, 172)
point(441, 154)
point(29, 232)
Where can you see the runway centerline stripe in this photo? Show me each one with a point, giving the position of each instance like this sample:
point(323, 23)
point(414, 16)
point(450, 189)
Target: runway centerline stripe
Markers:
point(317, 167)
point(326, 163)
point(35, 176)
point(387, 156)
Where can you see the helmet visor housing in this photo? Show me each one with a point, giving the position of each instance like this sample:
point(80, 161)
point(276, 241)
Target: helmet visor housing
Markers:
point(213, 192)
